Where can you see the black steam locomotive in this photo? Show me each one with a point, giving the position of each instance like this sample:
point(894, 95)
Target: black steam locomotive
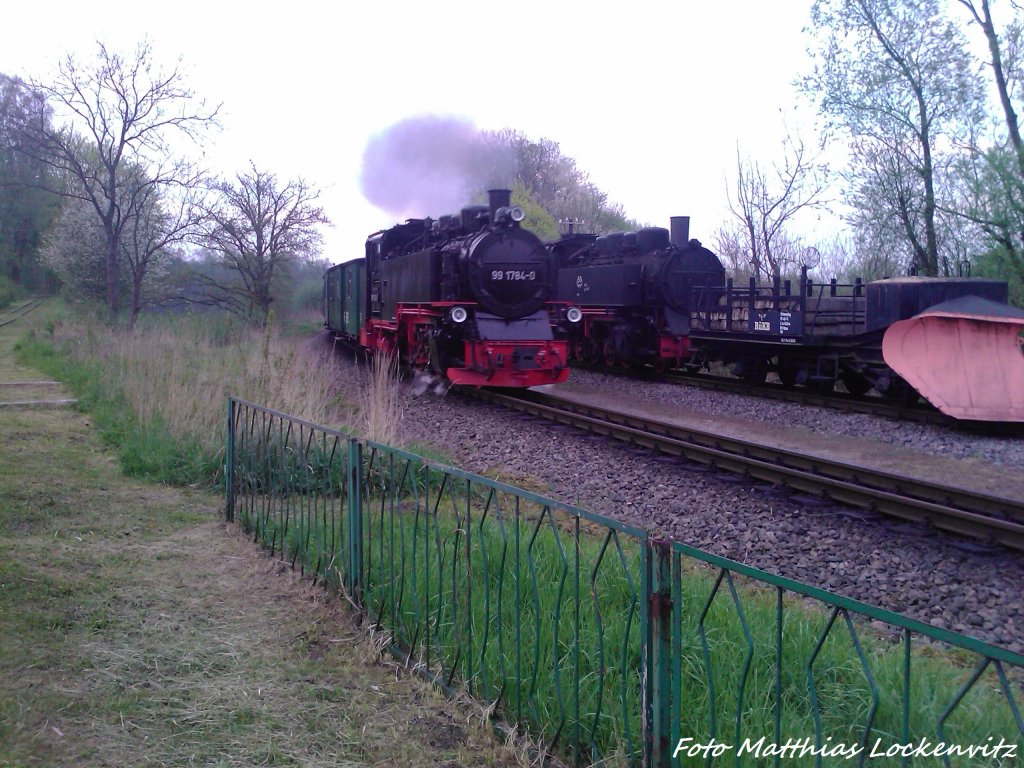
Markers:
point(465, 296)
point(656, 297)
point(636, 291)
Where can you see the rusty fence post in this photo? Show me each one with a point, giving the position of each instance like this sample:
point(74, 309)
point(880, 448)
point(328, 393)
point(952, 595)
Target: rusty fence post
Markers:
point(658, 711)
point(355, 521)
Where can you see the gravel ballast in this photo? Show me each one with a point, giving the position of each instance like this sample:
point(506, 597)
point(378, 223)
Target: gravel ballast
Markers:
point(958, 442)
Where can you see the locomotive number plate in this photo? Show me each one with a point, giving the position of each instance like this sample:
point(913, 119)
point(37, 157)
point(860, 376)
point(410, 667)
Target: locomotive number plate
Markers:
point(521, 275)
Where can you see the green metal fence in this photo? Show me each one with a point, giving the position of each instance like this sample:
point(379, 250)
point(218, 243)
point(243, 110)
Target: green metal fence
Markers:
point(602, 643)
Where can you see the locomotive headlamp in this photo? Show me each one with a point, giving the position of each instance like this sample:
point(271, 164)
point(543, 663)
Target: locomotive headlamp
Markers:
point(505, 214)
point(573, 314)
point(458, 314)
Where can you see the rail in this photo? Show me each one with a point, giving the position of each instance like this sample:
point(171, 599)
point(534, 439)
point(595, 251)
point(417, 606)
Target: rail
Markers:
point(990, 518)
point(866, 404)
point(20, 311)
point(604, 645)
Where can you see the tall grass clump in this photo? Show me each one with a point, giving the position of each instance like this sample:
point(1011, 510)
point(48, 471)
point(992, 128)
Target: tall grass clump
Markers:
point(8, 291)
point(381, 401)
point(158, 393)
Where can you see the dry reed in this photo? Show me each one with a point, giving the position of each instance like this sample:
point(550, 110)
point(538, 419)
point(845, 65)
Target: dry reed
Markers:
point(178, 375)
point(382, 402)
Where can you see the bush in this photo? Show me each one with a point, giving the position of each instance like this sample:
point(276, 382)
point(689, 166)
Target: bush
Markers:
point(9, 291)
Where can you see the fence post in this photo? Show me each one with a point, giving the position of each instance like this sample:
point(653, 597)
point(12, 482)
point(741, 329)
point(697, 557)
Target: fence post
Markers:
point(355, 521)
point(659, 713)
point(229, 465)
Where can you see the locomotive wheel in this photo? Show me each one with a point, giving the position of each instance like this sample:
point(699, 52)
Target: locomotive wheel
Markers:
point(856, 384)
point(901, 392)
point(579, 350)
point(822, 386)
point(754, 371)
point(610, 358)
point(788, 374)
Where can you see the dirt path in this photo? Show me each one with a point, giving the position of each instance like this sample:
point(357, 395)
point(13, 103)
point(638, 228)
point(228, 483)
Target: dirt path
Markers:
point(138, 629)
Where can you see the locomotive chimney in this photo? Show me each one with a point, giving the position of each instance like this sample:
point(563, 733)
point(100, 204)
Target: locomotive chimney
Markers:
point(498, 198)
point(680, 232)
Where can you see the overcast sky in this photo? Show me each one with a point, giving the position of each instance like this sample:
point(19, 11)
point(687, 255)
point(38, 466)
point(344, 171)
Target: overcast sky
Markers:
point(650, 98)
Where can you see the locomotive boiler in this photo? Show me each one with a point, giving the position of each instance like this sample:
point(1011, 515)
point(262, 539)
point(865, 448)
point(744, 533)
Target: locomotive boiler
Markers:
point(466, 296)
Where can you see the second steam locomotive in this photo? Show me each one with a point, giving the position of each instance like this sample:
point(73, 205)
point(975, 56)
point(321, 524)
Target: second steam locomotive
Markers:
point(467, 297)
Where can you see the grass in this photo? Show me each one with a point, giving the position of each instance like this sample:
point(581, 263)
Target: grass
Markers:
point(134, 630)
point(176, 436)
point(490, 600)
point(157, 395)
point(9, 292)
point(382, 401)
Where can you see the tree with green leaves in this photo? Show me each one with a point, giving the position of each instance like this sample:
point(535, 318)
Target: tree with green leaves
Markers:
point(26, 210)
point(536, 219)
point(992, 175)
point(896, 77)
point(557, 185)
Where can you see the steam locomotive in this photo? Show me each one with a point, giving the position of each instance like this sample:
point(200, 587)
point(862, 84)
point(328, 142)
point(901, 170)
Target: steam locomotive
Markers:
point(656, 297)
point(466, 297)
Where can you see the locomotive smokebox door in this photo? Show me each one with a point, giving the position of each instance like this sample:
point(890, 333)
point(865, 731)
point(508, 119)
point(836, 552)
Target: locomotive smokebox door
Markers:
point(508, 273)
point(691, 278)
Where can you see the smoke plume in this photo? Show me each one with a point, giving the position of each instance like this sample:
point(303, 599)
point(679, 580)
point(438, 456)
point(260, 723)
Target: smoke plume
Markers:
point(430, 165)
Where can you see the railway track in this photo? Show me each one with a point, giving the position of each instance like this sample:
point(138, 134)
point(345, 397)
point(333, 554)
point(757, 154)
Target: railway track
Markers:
point(989, 518)
point(872, 405)
point(921, 412)
point(20, 311)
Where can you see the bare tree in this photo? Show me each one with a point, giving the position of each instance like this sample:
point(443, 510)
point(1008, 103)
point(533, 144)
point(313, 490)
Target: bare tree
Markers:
point(120, 114)
point(258, 228)
point(732, 246)
point(160, 218)
point(765, 203)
